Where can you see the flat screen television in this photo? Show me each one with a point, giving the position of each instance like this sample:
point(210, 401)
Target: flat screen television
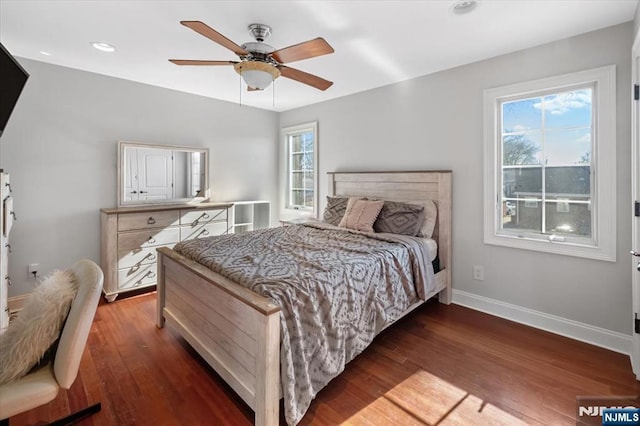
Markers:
point(12, 81)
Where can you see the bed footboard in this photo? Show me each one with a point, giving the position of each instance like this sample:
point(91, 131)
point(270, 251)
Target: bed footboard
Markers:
point(235, 330)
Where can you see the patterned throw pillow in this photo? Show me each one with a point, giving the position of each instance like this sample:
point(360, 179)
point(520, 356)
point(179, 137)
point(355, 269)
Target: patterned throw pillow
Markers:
point(400, 218)
point(361, 214)
point(336, 207)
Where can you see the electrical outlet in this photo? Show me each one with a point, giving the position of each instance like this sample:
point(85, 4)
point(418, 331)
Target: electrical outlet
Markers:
point(478, 272)
point(33, 269)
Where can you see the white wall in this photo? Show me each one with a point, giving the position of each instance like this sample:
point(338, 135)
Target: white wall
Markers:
point(636, 20)
point(60, 149)
point(435, 122)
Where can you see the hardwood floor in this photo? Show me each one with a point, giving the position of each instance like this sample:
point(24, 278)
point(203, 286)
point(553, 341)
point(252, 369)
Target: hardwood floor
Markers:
point(441, 365)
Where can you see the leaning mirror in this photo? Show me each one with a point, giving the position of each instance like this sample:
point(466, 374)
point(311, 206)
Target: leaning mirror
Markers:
point(161, 174)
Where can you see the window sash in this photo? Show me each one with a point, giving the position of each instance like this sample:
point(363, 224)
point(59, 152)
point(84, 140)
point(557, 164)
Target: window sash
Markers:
point(301, 184)
point(520, 200)
point(543, 130)
point(544, 231)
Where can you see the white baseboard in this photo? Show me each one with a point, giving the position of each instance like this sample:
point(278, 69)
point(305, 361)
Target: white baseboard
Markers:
point(604, 338)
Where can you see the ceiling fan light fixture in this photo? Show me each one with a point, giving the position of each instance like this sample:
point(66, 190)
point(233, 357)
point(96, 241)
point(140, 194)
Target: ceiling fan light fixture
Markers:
point(259, 63)
point(257, 75)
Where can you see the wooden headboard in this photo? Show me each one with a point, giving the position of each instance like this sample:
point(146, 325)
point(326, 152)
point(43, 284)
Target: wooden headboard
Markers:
point(416, 186)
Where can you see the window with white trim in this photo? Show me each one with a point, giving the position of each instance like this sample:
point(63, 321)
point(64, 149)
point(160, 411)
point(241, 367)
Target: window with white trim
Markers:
point(550, 161)
point(301, 147)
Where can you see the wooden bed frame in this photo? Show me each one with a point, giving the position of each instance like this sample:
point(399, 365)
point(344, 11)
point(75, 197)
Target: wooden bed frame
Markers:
point(238, 331)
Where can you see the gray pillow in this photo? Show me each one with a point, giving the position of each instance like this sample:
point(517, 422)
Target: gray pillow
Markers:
point(336, 207)
point(400, 218)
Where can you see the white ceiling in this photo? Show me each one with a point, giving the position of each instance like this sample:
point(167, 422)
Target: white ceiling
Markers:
point(376, 42)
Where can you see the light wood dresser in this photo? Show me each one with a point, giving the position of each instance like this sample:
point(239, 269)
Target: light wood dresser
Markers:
point(131, 235)
point(6, 221)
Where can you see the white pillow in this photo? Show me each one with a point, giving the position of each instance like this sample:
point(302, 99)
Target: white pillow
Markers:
point(37, 326)
point(430, 215)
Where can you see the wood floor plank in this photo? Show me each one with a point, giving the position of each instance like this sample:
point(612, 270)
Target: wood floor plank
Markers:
point(444, 365)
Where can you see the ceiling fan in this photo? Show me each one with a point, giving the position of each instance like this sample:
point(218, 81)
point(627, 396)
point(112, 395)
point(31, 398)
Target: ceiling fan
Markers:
point(260, 64)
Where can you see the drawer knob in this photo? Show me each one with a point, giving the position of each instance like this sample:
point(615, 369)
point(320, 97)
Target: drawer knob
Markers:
point(151, 240)
point(151, 256)
point(151, 274)
point(151, 220)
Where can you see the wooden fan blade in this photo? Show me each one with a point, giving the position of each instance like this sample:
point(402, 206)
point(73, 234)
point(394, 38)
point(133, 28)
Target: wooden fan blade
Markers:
point(200, 62)
point(305, 78)
point(307, 49)
point(253, 89)
point(213, 35)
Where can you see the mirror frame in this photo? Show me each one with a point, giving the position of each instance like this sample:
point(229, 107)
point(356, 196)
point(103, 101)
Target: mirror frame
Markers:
point(122, 145)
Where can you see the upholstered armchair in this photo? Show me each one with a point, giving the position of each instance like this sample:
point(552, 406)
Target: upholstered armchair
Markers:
point(42, 385)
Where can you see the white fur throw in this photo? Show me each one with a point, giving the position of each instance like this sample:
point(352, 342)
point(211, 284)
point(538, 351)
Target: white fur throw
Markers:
point(37, 326)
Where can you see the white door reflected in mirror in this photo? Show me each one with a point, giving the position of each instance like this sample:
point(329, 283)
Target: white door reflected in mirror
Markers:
point(159, 174)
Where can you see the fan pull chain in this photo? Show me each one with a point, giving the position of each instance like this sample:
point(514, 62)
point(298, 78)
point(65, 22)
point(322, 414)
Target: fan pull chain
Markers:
point(273, 93)
point(240, 86)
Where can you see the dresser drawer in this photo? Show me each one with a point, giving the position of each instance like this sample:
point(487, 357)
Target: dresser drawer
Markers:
point(135, 277)
point(149, 238)
point(146, 220)
point(195, 217)
point(139, 256)
point(189, 232)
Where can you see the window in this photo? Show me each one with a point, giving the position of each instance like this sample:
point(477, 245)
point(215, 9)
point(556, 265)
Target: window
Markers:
point(301, 147)
point(550, 161)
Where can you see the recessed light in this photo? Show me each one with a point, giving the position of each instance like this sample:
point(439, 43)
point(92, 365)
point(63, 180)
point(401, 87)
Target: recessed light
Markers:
point(42, 52)
point(104, 47)
point(463, 6)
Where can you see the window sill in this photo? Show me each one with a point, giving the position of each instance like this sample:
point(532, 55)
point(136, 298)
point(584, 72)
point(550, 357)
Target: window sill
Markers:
point(607, 254)
point(293, 214)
